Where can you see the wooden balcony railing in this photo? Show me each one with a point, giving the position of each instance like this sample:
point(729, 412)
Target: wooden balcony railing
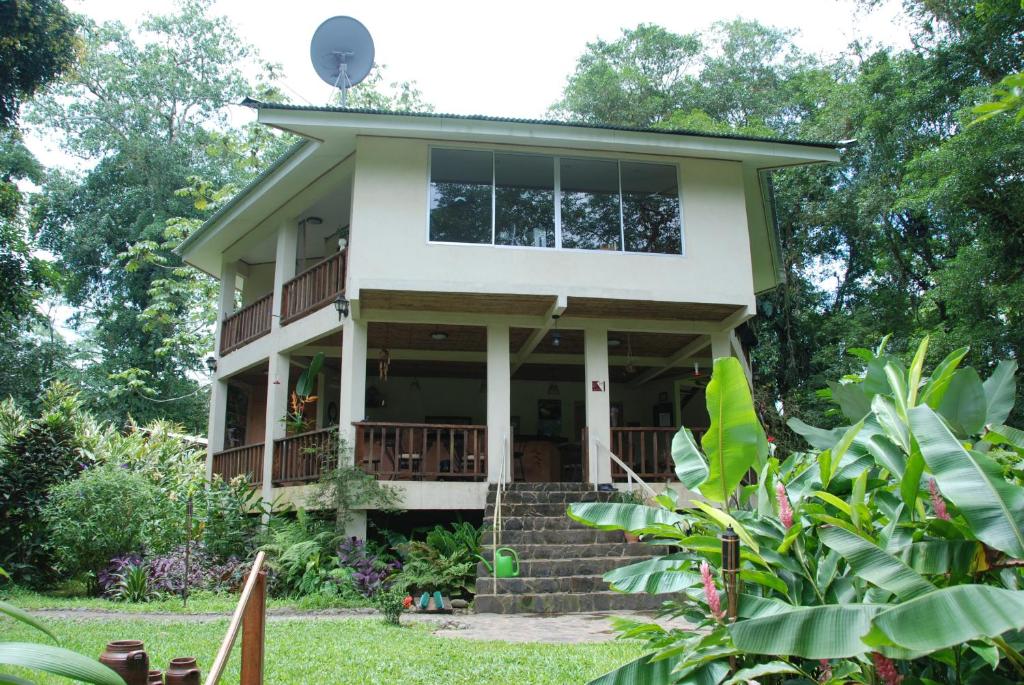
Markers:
point(648, 451)
point(246, 325)
point(301, 458)
point(246, 460)
point(421, 451)
point(314, 288)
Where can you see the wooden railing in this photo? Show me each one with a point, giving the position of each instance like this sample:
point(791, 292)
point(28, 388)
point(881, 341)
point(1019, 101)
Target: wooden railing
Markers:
point(421, 451)
point(301, 458)
point(238, 461)
point(246, 325)
point(314, 288)
point(648, 451)
point(250, 616)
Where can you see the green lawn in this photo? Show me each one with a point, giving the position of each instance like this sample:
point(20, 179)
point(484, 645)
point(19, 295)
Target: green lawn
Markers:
point(198, 603)
point(350, 650)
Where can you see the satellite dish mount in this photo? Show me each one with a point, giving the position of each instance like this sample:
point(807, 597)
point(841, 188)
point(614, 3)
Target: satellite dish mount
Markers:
point(342, 53)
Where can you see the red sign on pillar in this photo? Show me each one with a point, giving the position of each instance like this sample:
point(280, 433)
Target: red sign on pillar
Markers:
point(598, 386)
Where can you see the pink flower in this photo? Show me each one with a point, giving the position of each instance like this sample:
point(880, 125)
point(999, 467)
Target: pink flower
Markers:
point(886, 669)
point(714, 601)
point(785, 510)
point(938, 504)
point(824, 671)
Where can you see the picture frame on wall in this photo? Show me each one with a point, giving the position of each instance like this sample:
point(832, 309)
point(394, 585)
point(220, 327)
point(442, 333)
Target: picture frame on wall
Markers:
point(663, 415)
point(549, 418)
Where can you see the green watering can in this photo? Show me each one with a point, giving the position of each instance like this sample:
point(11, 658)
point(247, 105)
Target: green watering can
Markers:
point(506, 563)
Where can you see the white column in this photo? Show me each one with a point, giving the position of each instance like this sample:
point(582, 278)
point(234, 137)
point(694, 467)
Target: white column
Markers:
point(219, 388)
point(284, 267)
point(499, 402)
point(352, 401)
point(720, 345)
point(598, 406)
point(277, 407)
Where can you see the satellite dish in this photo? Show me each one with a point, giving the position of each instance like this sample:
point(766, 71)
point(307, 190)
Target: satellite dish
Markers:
point(342, 53)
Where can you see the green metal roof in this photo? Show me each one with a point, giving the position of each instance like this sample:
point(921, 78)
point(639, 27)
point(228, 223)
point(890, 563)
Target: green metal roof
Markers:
point(256, 104)
point(237, 197)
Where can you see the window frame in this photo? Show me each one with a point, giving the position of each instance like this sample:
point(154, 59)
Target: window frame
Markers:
point(556, 161)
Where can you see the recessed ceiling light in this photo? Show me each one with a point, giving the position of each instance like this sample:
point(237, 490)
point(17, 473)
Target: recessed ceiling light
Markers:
point(614, 342)
point(439, 335)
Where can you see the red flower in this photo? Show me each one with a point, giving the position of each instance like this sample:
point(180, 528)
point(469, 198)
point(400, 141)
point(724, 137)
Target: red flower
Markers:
point(771, 438)
point(407, 602)
point(886, 669)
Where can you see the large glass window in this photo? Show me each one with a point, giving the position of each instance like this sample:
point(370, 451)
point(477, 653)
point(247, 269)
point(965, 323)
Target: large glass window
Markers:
point(460, 196)
point(528, 200)
point(590, 204)
point(524, 200)
point(650, 208)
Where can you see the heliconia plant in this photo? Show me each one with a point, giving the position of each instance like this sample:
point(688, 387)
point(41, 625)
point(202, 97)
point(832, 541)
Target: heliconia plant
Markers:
point(890, 552)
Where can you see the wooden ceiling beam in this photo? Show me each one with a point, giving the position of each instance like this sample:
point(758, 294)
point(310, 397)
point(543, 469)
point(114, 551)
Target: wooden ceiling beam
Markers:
point(687, 352)
point(538, 334)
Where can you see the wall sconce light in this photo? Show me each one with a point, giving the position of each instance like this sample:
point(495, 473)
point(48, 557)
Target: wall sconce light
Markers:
point(341, 305)
point(211, 364)
point(439, 335)
point(553, 390)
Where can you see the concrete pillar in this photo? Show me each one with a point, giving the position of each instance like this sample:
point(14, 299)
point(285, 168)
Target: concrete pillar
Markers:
point(284, 266)
point(356, 525)
point(352, 400)
point(219, 388)
point(598, 406)
point(499, 403)
point(277, 407)
point(721, 345)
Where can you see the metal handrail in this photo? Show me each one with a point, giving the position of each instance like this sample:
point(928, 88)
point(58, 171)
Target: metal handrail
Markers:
point(256, 577)
point(630, 474)
point(496, 530)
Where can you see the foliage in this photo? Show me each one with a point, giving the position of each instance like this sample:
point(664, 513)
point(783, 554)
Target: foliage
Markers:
point(133, 585)
point(889, 551)
point(353, 651)
point(300, 554)
point(49, 659)
point(391, 603)
point(345, 489)
point(107, 578)
point(444, 560)
point(205, 571)
point(35, 455)
point(106, 511)
point(370, 571)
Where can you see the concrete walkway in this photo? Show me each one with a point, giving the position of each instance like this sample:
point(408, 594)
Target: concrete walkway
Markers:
point(563, 628)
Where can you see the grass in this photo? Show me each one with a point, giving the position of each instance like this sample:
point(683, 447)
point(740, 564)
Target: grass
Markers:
point(345, 651)
point(200, 602)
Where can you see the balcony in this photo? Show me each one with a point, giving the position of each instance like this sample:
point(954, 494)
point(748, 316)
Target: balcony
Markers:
point(422, 451)
point(648, 451)
point(310, 290)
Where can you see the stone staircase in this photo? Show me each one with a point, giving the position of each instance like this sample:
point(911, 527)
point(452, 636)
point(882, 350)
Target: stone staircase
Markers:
point(561, 561)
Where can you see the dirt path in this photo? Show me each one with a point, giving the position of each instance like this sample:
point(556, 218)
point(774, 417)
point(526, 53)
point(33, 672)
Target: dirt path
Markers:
point(564, 628)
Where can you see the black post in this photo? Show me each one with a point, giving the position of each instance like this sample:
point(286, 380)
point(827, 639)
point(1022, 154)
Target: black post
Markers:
point(730, 573)
point(188, 550)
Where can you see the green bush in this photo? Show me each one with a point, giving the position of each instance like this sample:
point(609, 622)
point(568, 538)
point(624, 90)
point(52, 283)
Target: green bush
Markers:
point(35, 454)
point(444, 560)
point(108, 511)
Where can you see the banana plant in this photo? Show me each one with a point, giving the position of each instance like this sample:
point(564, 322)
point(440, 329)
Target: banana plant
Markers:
point(892, 549)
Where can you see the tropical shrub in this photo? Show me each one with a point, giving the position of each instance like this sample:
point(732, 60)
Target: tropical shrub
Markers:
point(107, 578)
point(369, 571)
point(444, 560)
point(391, 602)
point(133, 585)
point(301, 554)
point(107, 511)
point(890, 552)
point(35, 454)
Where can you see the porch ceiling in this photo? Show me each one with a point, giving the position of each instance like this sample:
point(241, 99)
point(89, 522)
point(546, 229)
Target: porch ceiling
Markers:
point(598, 308)
point(467, 303)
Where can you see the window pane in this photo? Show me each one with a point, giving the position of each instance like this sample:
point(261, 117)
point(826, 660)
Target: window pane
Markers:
point(650, 208)
point(524, 200)
point(460, 196)
point(590, 204)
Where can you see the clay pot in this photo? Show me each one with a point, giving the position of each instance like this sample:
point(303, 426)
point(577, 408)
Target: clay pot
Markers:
point(128, 659)
point(155, 678)
point(183, 671)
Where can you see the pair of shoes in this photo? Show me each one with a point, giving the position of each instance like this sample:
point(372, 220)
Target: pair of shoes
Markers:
point(424, 602)
point(438, 601)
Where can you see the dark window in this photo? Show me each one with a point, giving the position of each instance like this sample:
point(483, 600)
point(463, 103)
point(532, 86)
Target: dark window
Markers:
point(460, 196)
point(590, 204)
point(524, 199)
point(650, 208)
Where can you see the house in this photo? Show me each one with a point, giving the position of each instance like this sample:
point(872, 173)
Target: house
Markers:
point(497, 299)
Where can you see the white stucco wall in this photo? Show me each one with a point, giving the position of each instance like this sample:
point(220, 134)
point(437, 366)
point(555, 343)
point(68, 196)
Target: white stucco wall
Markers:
point(389, 235)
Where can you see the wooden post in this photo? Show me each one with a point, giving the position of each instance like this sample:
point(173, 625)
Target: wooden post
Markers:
point(253, 623)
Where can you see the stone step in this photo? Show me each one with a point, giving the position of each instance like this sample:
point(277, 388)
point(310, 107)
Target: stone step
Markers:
point(543, 487)
point(553, 568)
point(561, 603)
point(541, 585)
point(510, 510)
point(562, 522)
point(545, 496)
point(584, 536)
point(571, 551)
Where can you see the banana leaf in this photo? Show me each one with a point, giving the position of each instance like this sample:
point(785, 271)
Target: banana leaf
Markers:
point(23, 616)
point(1000, 392)
point(58, 661)
point(914, 374)
point(1006, 435)
point(828, 631)
point(965, 406)
point(939, 557)
point(937, 385)
point(993, 508)
point(875, 565)
point(691, 466)
point(948, 617)
point(818, 438)
point(735, 439)
point(655, 576)
point(640, 671)
point(755, 673)
point(622, 516)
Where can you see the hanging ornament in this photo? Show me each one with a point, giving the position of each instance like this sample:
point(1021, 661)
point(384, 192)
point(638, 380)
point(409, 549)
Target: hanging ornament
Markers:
point(696, 369)
point(630, 369)
point(384, 364)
